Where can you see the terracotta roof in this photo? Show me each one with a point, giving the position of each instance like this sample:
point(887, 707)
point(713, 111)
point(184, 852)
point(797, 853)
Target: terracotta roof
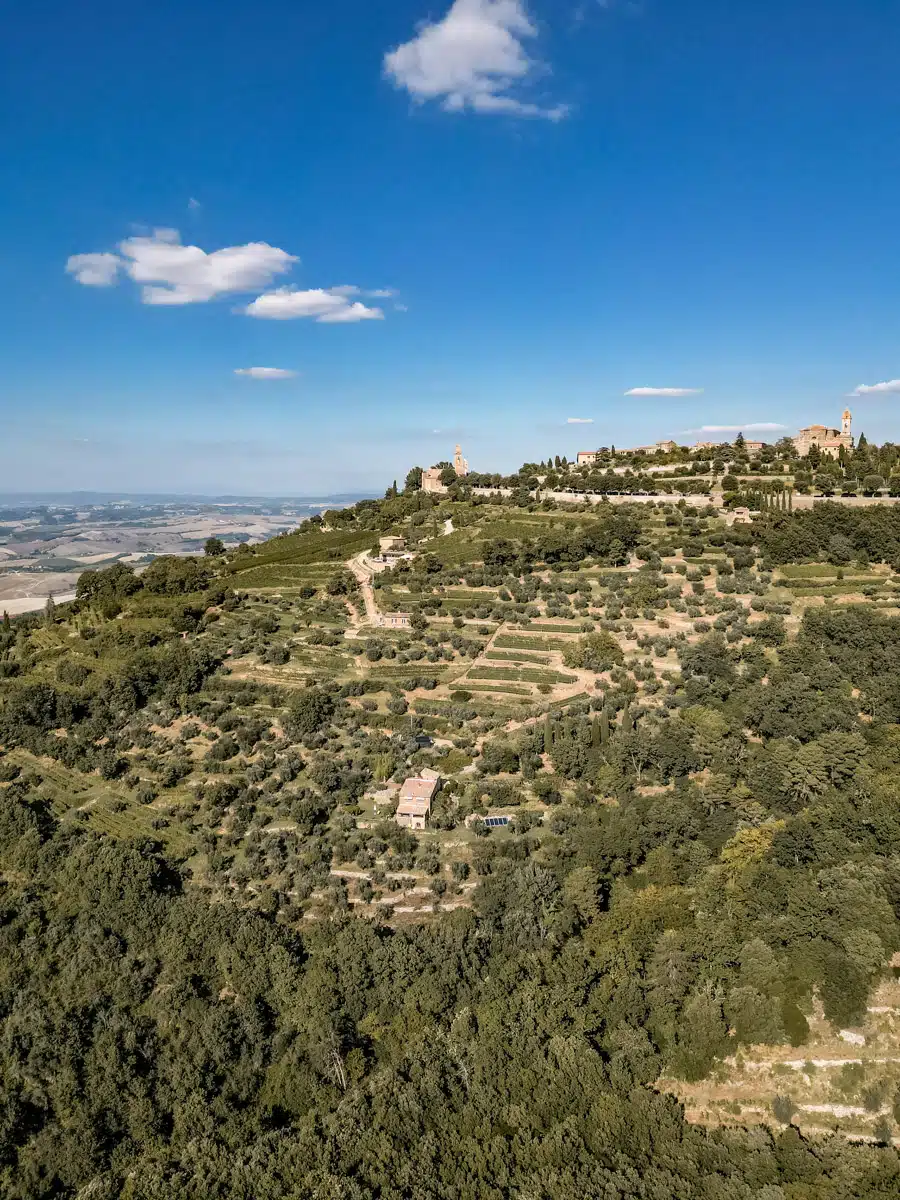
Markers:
point(418, 789)
point(414, 808)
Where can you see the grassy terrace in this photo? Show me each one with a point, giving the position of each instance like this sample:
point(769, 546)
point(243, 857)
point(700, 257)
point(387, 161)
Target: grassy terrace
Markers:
point(521, 675)
point(516, 641)
point(523, 656)
point(504, 688)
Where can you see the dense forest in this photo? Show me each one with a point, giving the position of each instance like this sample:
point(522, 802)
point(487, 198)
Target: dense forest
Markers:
point(703, 854)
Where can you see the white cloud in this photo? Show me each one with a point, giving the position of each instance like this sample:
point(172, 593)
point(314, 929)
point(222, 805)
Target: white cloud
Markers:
point(890, 387)
point(665, 391)
point(749, 427)
point(94, 270)
point(265, 372)
point(471, 59)
point(580, 421)
point(351, 313)
point(401, 308)
point(193, 204)
point(175, 274)
point(290, 304)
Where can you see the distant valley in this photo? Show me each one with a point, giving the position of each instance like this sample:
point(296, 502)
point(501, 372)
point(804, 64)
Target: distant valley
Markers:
point(48, 539)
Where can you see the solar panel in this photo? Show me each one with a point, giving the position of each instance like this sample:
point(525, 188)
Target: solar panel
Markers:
point(496, 822)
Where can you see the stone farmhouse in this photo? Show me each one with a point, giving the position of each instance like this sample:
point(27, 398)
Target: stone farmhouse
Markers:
point(395, 620)
point(391, 551)
point(414, 807)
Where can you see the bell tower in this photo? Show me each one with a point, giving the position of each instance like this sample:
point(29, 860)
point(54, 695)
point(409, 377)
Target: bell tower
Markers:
point(846, 422)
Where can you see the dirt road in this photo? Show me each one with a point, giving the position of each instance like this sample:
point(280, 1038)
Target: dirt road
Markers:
point(363, 573)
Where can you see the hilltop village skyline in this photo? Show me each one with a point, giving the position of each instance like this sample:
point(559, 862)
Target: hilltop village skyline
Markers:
point(828, 439)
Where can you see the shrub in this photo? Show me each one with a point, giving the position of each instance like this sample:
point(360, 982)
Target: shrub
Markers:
point(595, 652)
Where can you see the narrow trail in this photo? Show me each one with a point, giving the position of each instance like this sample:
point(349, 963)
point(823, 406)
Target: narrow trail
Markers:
point(363, 575)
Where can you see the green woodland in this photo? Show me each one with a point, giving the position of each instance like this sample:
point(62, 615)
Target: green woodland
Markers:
point(225, 971)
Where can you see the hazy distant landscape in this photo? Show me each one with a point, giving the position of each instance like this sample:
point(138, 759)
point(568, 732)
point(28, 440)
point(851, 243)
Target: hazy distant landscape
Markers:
point(48, 539)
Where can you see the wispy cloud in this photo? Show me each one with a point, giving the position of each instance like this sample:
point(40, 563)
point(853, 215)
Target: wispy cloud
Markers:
point(350, 314)
point(579, 420)
point(664, 391)
point(94, 270)
point(265, 372)
point(193, 204)
point(473, 59)
point(330, 307)
point(889, 387)
point(748, 427)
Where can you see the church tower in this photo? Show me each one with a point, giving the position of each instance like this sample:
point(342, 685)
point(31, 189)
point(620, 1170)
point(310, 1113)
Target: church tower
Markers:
point(846, 421)
point(460, 465)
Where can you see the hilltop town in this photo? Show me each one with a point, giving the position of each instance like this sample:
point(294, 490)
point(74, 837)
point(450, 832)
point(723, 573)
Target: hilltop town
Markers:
point(819, 462)
point(826, 440)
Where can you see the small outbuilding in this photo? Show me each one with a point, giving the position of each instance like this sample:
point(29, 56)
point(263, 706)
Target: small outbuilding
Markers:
point(396, 620)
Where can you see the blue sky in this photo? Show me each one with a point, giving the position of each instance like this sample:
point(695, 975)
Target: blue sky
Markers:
point(565, 201)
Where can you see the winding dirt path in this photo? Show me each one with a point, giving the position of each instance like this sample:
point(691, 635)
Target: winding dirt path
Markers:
point(363, 573)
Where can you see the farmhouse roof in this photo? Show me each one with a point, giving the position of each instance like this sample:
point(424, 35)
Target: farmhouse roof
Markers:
point(419, 789)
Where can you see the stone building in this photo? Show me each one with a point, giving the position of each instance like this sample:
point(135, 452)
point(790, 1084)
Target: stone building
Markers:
point(431, 476)
point(829, 441)
point(431, 480)
point(664, 447)
point(395, 620)
point(414, 808)
point(391, 550)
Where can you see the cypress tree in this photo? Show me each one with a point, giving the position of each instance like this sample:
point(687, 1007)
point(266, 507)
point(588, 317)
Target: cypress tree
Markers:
point(604, 726)
point(548, 734)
